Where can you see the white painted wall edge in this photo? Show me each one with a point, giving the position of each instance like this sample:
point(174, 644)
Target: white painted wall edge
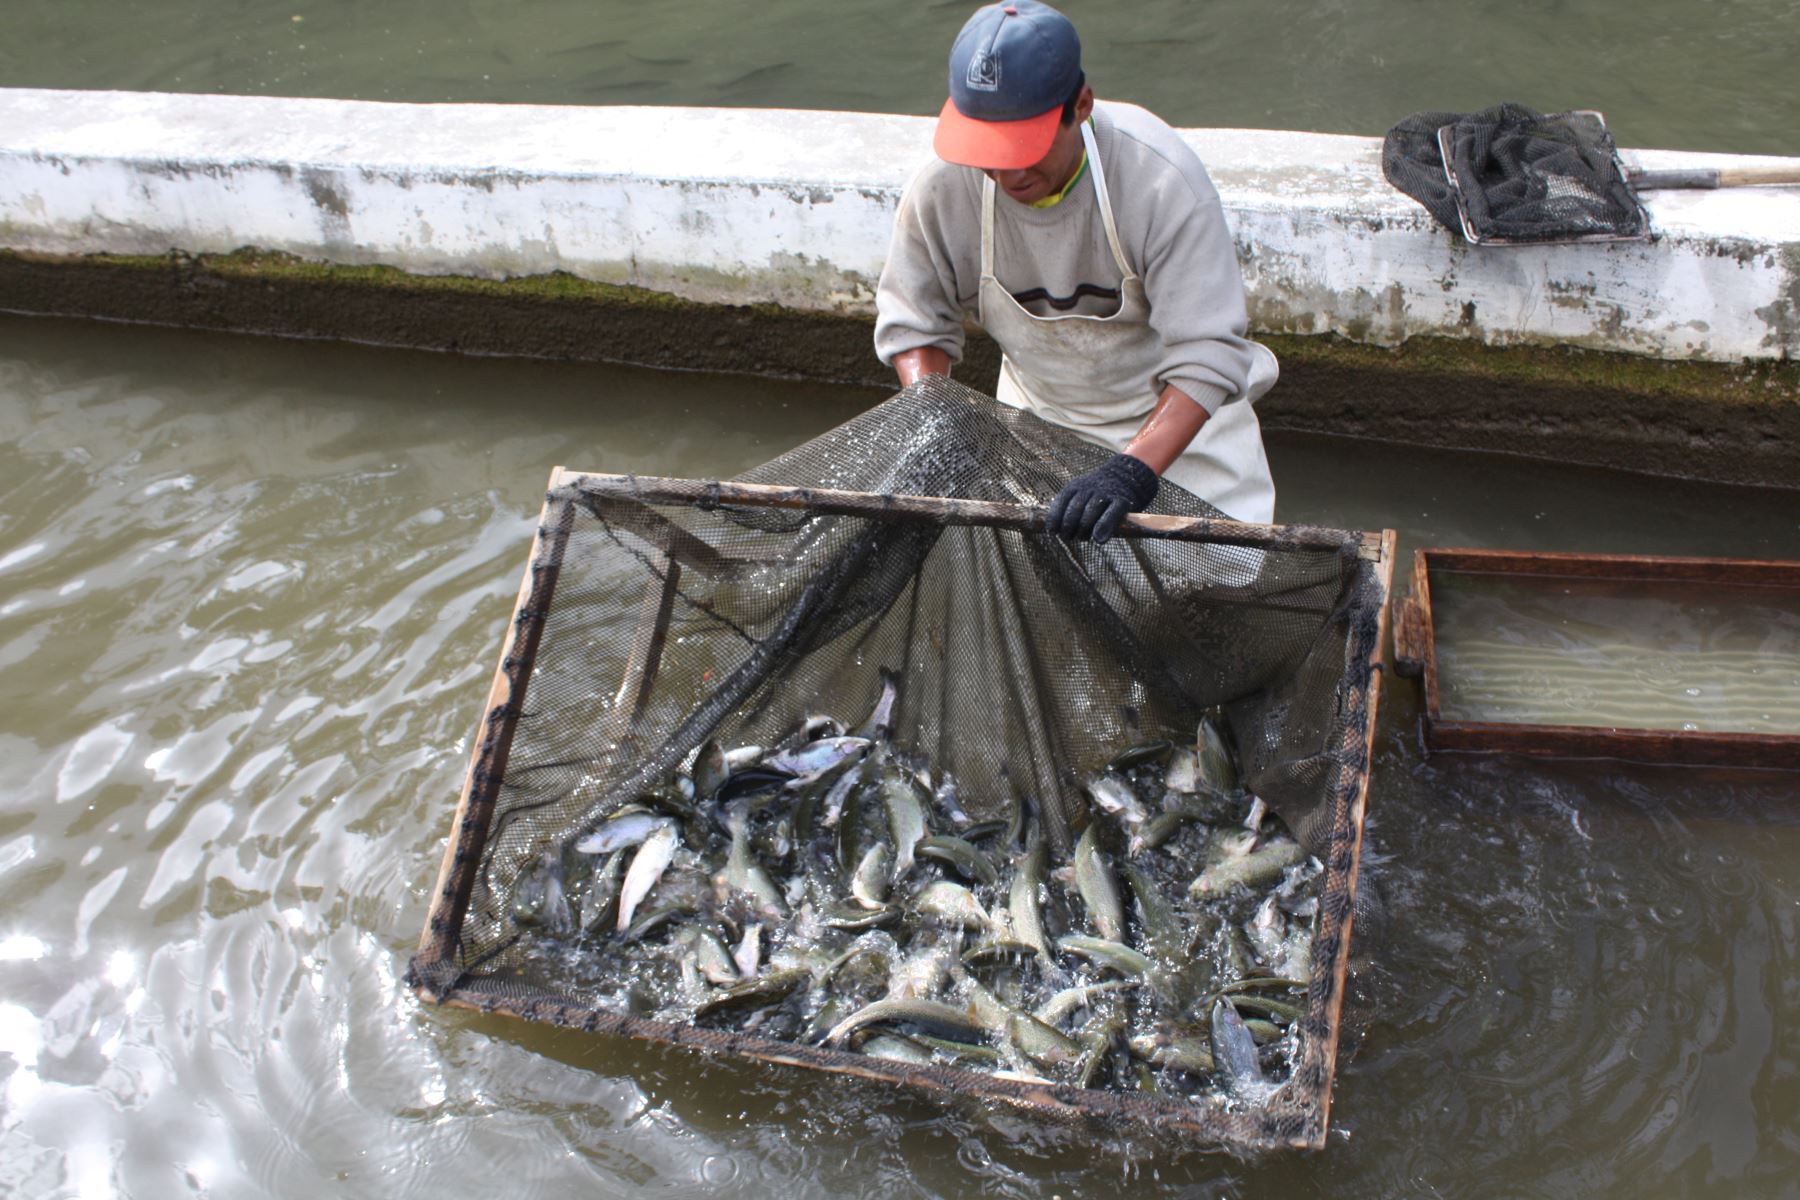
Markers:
point(793, 207)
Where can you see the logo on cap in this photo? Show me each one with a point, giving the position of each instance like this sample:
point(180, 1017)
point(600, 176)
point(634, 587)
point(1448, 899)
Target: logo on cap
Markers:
point(984, 72)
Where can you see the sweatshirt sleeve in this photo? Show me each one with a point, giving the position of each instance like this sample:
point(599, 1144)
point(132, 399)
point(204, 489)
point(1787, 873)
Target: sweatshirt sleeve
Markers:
point(919, 300)
point(1196, 293)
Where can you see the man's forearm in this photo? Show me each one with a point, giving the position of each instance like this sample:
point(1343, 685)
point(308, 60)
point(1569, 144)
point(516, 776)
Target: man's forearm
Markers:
point(1174, 423)
point(923, 360)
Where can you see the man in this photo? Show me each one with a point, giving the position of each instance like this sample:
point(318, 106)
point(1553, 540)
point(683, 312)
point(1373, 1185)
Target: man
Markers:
point(1088, 241)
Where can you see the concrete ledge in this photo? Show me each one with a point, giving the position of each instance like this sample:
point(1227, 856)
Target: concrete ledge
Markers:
point(742, 206)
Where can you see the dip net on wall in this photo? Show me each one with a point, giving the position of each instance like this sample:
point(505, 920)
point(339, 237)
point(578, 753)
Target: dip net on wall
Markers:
point(660, 615)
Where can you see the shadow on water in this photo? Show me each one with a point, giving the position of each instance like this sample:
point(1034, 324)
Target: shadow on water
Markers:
point(249, 598)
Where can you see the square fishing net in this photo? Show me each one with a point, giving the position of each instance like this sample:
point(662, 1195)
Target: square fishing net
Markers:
point(763, 697)
point(1510, 174)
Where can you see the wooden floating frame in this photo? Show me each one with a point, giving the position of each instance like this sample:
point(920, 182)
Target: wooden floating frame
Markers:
point(1415, 655)
point(1295, 1118)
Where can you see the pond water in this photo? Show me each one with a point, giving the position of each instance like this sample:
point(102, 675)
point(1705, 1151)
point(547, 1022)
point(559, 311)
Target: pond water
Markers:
point(1712, 75)
point(250, 596)
point(1633, 655)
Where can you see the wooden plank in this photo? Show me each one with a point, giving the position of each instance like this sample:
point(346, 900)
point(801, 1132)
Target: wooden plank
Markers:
point(488, 758)
point(1746, 572)
point(945, 511)
point(1340, 968)
point(671, 539)
point(1675, 746)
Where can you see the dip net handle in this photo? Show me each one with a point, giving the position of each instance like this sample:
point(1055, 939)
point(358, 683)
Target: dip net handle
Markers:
point(1029, 518)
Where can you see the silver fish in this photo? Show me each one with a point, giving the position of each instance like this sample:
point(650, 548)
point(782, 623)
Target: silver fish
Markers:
point(748, 955)
point(814, 757)
point(1022, 900)
point(647, 867)
point(906, 818)
point(1116, 799)
point(1234, 1050)
point(896, 1049)
point(942, 900)
point(940, 1019)
point(710, 955)
point(710, 770)
point(540, 899)
point(742, 873)
point(1065, 1003)
point(834, 799)
point(1099, 889)
point(742, 757)
point(1114, 956)
point(621, 830)
point(1217, 764)
point(1183, 773)
point(880, 721)
point(870, 883)
point(1258, 868)
point(949, 799)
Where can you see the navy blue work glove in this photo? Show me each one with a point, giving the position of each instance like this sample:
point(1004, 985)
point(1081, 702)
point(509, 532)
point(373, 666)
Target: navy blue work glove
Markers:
point(1092, 505)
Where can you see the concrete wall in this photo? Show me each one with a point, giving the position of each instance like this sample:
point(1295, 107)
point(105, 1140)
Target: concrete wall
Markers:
point(743, 206)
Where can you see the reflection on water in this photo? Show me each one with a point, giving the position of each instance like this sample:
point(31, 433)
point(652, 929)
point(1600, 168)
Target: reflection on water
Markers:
point(249, 598)
point(1338, 67)
point(1617, 654)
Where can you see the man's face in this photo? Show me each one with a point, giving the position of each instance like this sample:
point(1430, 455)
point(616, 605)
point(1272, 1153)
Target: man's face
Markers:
point(1050, 173)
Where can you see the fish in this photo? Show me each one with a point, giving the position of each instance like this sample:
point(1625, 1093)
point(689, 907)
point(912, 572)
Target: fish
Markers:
point(748, 955)
point(1258, 868)
point(939, 1019)
point(880, 721)
point(540, 898)
point(870, 883)
point(906, 819)
point(647, 867)
point(598, 907)
point(920, 974)
point(741, 758)
point(942, 900)
point(814, 757)
point(1183, 771)
point(742, 873)
point(1142, 755)
point(621, 830)
point(1216, 763)
point(770, 988)
point(1114, 956)
point(710, 771)
point(1157, 830)
point(949, 799)
point(1099, 890)
point(1070, 1000)
point(1190, 1054)
point(969, 862)
point(1043, 1044)
point(1022, 900)
point(1117, 800)
point(710, 955)
point(834, 799)
point(1234, 1052)
point(895, 1049)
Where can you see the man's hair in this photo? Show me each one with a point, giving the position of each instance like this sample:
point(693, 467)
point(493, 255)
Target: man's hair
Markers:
point(1068, 113)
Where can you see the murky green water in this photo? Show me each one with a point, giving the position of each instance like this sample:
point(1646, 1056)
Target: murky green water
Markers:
point(1698, 74)
point(250, 595)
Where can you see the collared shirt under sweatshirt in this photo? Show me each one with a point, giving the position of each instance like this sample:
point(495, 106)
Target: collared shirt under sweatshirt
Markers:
point(1055, 261)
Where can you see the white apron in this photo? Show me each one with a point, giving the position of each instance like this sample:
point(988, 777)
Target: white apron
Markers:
point(1088, 375)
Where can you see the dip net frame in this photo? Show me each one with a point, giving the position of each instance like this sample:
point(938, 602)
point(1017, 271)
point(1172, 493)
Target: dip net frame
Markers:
point(655, 614)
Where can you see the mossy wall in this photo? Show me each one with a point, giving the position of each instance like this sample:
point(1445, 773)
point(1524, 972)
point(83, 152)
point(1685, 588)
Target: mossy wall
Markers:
point(1737, 423)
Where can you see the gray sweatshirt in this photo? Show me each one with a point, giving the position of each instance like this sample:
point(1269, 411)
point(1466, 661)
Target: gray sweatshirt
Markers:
point(1055, 261)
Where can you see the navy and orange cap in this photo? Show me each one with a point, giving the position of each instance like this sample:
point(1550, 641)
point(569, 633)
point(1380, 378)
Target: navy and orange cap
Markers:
point(1011, 68)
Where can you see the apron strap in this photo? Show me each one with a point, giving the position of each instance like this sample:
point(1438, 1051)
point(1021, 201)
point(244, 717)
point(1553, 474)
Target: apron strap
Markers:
point(1101, 195)
point(1104, 198)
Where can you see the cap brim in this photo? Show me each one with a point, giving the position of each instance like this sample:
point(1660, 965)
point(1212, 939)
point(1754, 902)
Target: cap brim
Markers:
point(994, 145)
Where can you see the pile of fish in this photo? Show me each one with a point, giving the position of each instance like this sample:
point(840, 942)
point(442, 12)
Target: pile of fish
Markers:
point(832, 890)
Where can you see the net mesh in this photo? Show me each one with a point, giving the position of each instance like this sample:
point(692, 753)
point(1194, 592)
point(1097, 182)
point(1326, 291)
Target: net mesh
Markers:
point(1024, 663)
point(1512, 174)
